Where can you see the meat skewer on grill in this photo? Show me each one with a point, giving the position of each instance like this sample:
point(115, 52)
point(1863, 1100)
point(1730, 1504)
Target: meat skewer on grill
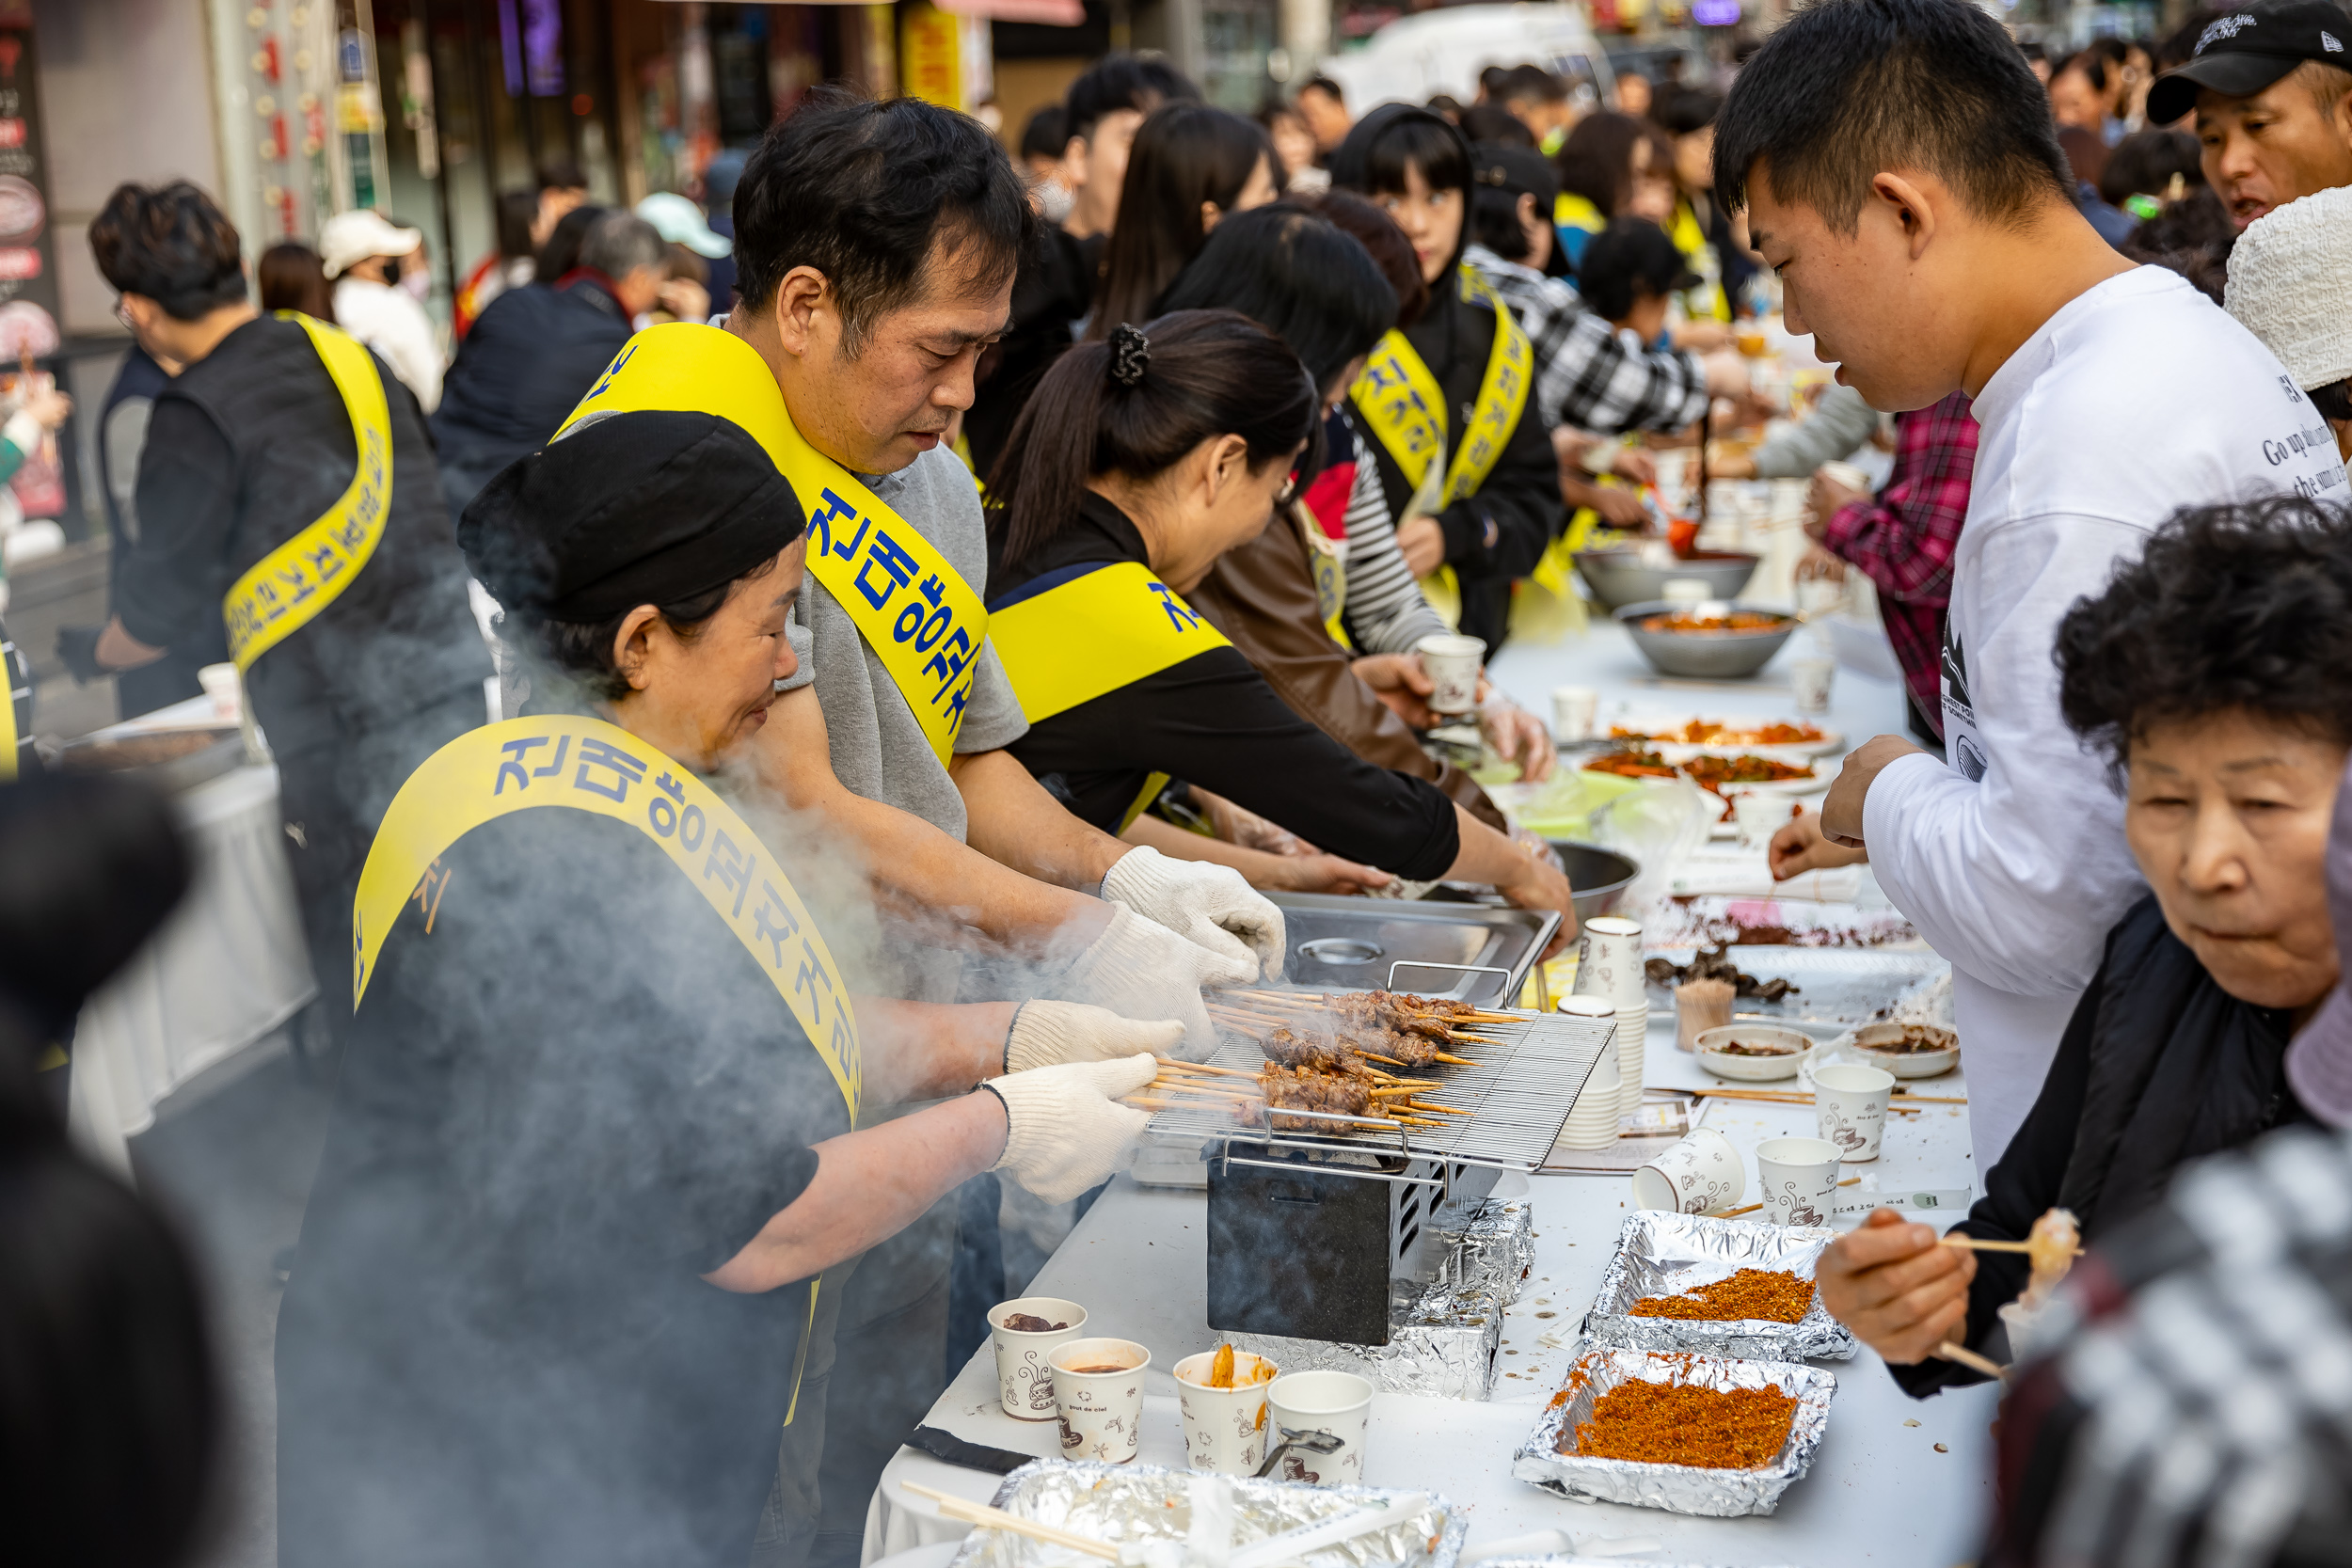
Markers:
point(1286, 1046)
point(1331, 1095)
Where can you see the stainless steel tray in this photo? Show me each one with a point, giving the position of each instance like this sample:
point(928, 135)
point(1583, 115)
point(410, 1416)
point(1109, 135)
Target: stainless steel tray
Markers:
point(1340, 944)
point(1517, 1098)
point(1676, 1488)
point(1840, 986)
point(1662, 1253)
point(1136, 1504)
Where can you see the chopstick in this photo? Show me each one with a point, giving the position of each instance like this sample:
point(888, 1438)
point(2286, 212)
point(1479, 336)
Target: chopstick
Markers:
point(997, 1518)
point(1752, 1208)
point(1977, 1243)
point(1769, 1097)
point(1970, 1360)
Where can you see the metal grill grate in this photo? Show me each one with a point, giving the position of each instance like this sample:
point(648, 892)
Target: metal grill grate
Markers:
point(1518, 1096)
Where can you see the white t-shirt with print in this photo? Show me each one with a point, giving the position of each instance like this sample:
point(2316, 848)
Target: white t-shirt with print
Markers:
point(2140, 397)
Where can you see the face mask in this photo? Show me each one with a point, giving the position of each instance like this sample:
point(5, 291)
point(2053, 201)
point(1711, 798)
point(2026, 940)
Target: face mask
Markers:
point(418, 285)
point(1054, 202)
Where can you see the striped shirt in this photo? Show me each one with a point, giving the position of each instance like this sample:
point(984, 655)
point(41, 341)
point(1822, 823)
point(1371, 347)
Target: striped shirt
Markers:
point(1585, 375)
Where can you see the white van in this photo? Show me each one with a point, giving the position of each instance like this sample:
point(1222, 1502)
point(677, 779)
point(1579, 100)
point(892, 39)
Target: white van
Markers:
point(1444, 49)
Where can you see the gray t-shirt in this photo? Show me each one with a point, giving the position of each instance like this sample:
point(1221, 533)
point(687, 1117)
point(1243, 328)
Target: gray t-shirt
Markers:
point(879, 750)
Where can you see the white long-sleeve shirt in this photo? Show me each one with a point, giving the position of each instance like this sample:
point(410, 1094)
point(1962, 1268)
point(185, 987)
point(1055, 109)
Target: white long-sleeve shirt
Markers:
point(395, 325)
point(2138, 398)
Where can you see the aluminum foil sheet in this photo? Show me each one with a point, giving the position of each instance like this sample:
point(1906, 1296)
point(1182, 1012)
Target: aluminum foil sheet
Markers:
point(1662, 1255)
point(1491, 1249)
point(1441, 1342)
point(1119, 1504)
point(1572, 1561)
point(1676, 1488)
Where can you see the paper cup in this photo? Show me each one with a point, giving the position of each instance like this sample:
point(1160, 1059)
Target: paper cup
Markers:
point(225, 687)
point(1339, 1404)
point(1452, 662)
point(1812, 679)
point(1700, 1174)
point(1592, 1123)
point(1846, 474)
point(1023, 1387)
point(1760, 813)
point(1633, 1056)
point(1573, 710)
point(1851, 1100)
point(1224, 1428)
point(1609, 961)
point(1098, 1395)
point(1797, 1178)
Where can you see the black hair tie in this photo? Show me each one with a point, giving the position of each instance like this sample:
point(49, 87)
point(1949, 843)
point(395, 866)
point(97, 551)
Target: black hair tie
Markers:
point(1131, 354)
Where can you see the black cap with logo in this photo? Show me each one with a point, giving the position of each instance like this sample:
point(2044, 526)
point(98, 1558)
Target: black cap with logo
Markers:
point(2242, 51)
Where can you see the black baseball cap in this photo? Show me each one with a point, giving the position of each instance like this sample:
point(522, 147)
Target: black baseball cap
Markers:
point(2242, 51)
point(1519, 170)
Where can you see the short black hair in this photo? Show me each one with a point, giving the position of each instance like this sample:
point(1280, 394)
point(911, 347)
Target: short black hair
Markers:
point(1324, 85)
point(171, 245)
point(1484, 123)
point(2236, 606)
point(1686, 110)
point(2144, 163)
point(1047, 134)
point(561, 174)
point(1298, 276)
point(863, 192)
point(1631, 257)
point(1115, 82)
point(1533, 81)
point(1430, 145)
point(1850, 87)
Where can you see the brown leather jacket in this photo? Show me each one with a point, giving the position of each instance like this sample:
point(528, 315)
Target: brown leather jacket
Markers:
point(1262, 597)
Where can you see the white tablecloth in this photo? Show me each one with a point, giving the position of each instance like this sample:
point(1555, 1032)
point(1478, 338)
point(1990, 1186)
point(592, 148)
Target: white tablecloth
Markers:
point(225, 972)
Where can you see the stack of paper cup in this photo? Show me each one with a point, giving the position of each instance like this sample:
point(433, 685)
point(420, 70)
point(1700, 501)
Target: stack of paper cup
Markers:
point(1609, 966)
point(1593, 1122)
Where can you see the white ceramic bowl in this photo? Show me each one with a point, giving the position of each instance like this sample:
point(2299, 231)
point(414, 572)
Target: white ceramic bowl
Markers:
point(1753, 1070)
point(1939, 1055)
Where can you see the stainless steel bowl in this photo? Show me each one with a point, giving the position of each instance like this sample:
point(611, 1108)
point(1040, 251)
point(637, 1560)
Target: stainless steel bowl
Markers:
point(1706, 654)
point(1600, 877)
point(1619, 578)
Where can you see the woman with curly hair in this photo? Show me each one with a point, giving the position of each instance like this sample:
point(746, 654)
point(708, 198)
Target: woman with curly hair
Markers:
point(2215, 676)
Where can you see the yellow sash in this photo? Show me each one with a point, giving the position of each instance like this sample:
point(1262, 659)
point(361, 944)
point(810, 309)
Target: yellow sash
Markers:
point(863, 551)
point(1405, 409)
point(7, 719)
point(1331, 575)
point(293, 582)
point(1091, 636)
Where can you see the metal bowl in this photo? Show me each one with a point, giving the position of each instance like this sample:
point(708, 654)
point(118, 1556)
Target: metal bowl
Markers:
point(1619, 578)
point(1599, 876)
point(1708, 654)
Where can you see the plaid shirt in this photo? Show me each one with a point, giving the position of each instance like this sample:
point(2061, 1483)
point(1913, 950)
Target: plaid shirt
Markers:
point(1585, 375)
point(1903, 538)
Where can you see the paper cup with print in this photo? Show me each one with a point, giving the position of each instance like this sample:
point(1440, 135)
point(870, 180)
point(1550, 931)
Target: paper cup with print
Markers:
point(1697, 1176)
point(1593, 1120)
point(1337, 1405)
point(1451, 663)
point(1851, 1100)
point(1573, 711)
point(1224, 1428)
point(1812, 679)
point(1024, 1385)
point(1609, 961)
point(1098, 1396)
point(1797, 1177)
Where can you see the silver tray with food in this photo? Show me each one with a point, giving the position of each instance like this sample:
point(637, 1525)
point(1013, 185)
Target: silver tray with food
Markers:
point(1684, 1282)
point(170, 760)
point(1143, 1515)
point(1685, 1434)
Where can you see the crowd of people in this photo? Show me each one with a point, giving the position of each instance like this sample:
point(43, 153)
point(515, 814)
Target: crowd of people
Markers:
point(938, 590)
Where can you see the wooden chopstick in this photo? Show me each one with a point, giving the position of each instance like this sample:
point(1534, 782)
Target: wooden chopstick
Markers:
point(1977, 1243)
point(1970, 1360)
point(1752, 1208)
point(997, 1518)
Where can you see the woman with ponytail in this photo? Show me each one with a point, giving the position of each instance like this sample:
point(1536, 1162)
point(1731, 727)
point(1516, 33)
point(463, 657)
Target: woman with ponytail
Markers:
point(1139, 462)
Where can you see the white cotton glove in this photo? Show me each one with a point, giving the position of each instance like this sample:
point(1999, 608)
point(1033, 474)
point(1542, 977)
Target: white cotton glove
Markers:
point(1064, 1129)
point(1206, 904)
point(1139, 969)
point(1047, 1034)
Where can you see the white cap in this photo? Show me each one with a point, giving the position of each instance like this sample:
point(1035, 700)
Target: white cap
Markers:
point(680, 222)
point(2291, 285)
point(350, 238)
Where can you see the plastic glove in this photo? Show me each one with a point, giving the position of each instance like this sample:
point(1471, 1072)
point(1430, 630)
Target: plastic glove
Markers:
point(1139, 969)
point(1048, 1034)
point(1064, 1131)
point(1205, 904)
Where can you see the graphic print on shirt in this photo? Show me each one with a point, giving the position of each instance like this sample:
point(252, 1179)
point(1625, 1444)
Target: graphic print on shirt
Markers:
point(1959, 714)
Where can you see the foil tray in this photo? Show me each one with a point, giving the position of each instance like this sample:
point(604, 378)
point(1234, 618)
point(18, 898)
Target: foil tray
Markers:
point(1676, 1488)
point(1490, 1250)
point(1442, 1342)
point(1662, 1253)
point(1119, 1504)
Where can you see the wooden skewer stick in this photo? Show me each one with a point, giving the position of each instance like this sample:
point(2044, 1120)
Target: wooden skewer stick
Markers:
point(1932, 1099)
point(1749, 1209)
point(1971, 1360)
point(997, 1518)
point(1977, 1243)
point(1433, 1106)
point(1203, 1067)
point(1442, 1056)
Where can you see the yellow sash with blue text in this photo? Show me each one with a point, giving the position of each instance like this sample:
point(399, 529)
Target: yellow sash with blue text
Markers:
point(570, 761)
point(1092, 633)
point(861, 549)
point(288, 587)
point(1405, 409)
